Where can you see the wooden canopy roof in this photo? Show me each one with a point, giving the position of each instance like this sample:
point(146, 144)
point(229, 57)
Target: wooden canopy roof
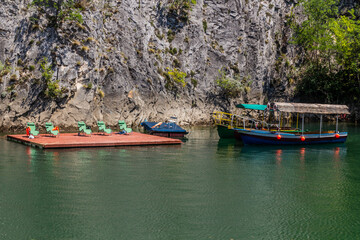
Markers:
point(311, 108)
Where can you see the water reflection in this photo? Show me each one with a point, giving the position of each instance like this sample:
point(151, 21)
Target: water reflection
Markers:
point(302, 155)
point(233, 149)
point(228, 147)
point(337, 152)
point(278, 156)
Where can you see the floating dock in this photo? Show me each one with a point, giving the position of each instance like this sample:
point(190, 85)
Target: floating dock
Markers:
point(73, 140)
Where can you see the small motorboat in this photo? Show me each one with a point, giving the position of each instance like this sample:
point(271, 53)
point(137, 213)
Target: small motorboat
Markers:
point(165, 129)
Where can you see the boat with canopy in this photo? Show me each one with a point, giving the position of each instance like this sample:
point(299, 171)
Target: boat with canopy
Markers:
point(227, 122)
point(255, 136)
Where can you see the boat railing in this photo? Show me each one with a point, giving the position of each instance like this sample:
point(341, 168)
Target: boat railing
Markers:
point(237, 121)
point(258, 124)
point(227, 119)
point(222, 118)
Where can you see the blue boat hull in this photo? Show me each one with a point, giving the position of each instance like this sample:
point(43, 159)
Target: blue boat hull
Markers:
point(269, 138)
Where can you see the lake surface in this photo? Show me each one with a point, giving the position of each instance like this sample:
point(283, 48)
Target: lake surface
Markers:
point(205, 189)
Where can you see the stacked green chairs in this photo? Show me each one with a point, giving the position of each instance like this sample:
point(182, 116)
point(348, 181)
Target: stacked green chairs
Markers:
point(50, 129)
point(83, 129)
point(102, 128)
point(123, 127)
point(31, 129)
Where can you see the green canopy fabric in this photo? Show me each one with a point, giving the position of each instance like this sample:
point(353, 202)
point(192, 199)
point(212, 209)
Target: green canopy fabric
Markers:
point(252, 106)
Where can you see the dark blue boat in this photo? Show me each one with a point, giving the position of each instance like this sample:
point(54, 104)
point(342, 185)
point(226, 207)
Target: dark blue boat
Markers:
point(166, 129)
point(260, 137)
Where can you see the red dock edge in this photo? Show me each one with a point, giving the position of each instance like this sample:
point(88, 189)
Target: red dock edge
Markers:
point(73, 140)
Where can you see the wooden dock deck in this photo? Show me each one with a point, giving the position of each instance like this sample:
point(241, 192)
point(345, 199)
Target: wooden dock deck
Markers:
point(73, 140)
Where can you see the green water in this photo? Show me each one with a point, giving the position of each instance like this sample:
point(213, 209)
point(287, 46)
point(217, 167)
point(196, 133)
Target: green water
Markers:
point(204, 189)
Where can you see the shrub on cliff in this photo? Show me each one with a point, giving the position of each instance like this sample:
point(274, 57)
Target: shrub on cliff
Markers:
point(174, 78)
point(52, 88)
point(232, 86)
point(178, 11)
point(58, 11)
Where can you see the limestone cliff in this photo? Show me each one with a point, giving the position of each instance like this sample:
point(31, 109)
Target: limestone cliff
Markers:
point(115, 63)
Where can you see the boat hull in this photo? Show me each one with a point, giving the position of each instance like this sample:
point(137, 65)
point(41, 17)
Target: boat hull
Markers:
point(168, 134)
point(225, 132)
point(270, 138)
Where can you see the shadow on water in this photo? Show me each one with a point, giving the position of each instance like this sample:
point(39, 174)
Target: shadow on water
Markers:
point(223, 143)
point(228, 147)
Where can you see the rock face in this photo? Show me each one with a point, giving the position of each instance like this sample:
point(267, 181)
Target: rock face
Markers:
point(116, 63)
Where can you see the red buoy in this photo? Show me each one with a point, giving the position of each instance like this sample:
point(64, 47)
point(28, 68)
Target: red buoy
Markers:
point(302, 138)
point(337, 135)
point(278, 136)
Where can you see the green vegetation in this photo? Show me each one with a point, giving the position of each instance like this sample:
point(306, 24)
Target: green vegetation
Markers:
point(178, 4)
point(170, 35)
point(331, 43)
point(58, 11)
point(52, 89)
point(2, 66)
point(232, 86)
point(90, 39)
point(176, 63)
point(194, 82)
point(181, 8)
point(4, 69)
point(84, 48)
point(13, 78)
point(204, 25)
point(20, 62)
point(186, 39)
point(173, 51)
point(75, 43)
point(179, 12)
point(177, 76)
point(151, 51)
point(31, 68)
point(101, 93)
point(174, 78)
point(110, 70)
point(88, 86)
point(158, 34)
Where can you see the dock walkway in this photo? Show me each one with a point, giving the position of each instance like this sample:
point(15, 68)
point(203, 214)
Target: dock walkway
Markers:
point(73, 140)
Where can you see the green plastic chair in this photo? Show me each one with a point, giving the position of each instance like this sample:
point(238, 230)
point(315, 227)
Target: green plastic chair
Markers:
point(49, 129)
point(102, 128)
point(33, 130)
point(83, 128)
point(123, 126)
